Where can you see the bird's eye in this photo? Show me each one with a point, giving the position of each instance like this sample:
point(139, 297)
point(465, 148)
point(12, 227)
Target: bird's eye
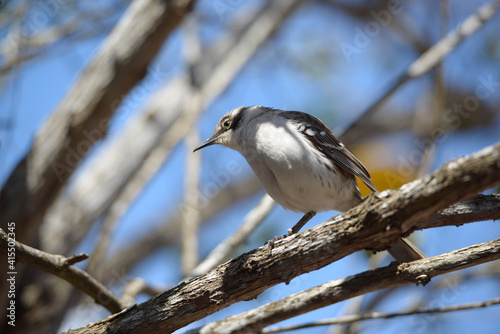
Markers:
point(226, 124)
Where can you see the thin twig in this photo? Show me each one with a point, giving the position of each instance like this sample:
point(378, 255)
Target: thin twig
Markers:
point(76, 258)
point(168, 231)
point(134, 288)
point(224, 249)
point(60, 266)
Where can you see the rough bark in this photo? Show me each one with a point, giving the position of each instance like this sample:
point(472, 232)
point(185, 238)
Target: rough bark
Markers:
point(62, 267)
point(379, 221)
point(255, 320)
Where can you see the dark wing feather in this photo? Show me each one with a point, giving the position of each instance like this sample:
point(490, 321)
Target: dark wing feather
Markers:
point(324, 140)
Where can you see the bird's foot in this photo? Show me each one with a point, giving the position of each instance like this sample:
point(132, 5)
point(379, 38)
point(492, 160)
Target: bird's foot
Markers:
point(271, 242)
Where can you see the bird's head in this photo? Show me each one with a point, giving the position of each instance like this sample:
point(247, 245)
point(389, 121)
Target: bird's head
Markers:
point(230, 125)
point(224, 130)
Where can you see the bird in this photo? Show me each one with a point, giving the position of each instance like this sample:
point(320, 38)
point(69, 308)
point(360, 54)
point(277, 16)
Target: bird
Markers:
point(300, 163)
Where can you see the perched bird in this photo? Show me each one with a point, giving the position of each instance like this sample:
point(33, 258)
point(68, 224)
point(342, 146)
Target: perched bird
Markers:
point(300, 163)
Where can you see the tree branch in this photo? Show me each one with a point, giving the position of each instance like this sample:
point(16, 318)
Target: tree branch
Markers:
point(374, 224)
point(134, 288)
point(349, 319)
point(479, 208)
point(191, 217)
point(255, 320)
point(62, 267)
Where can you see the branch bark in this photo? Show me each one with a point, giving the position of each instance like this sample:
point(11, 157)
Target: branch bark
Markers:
point(255, 320)
point(62, 267)
point(479, 208)
point(351, 318)
point(374, 224)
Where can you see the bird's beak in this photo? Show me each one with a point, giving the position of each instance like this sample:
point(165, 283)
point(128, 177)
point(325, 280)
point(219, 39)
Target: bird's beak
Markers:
point(210, 141)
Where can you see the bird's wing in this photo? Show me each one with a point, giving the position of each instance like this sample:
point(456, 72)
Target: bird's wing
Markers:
point(321, 137)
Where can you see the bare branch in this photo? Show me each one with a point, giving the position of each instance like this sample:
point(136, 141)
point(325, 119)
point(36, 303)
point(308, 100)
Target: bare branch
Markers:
point(349, 319)
point(374, 224)
point(479, 208)
point(62, 267)
point(255, 320)
point(191, 212)
point(470, 25)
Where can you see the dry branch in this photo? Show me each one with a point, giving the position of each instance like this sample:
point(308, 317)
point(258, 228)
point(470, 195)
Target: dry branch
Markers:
point(191, 218)
point(379, 221)
point(62, 267)
point(479, 208)
point(351, 318)
point(134, 288)
point(255, 320)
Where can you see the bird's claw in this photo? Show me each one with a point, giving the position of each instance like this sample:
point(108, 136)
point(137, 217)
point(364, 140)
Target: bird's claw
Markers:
point(271, 242)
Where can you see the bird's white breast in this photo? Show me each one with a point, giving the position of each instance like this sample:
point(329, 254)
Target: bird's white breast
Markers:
point(297, 176)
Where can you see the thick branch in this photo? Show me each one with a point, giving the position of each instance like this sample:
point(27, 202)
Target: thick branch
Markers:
point(62, 267)
point(377, 222)
point(255, 320)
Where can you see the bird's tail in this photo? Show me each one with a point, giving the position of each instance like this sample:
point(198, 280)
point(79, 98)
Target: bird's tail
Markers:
point(404, 251)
